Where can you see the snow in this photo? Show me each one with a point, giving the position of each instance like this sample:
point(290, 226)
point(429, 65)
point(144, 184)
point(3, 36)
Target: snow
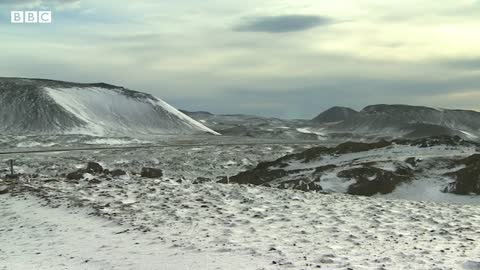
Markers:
point(184, 117)
point(169, 223)
point(110, 111)
point(34, 144)
point(214, 226)
point(469, 135)
point(395, 152)
point(308, 130)
point(429, 189)
point(41, 238)
point(115, 141)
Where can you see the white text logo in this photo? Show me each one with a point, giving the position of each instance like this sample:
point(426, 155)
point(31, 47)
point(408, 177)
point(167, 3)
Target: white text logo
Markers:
point(31, 17)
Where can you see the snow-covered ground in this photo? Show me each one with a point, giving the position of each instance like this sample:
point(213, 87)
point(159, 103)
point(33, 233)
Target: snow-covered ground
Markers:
point(131, 222)
point(168, 225)
point(34, 237)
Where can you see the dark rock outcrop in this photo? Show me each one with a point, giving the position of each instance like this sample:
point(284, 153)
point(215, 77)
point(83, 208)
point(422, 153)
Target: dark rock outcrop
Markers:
point(355, 147)
point(117, 173)
point(76, 175)
point(379, 171)
point(12, 176)
point(258, 176)
point(302, 184)
point(94, 168)
point(3, 190)
point(466, 180)
point(371, 180)
point(151, 172)
point(201, 180)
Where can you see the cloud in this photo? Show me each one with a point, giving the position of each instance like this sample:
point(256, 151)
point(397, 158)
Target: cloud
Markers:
point(285, 23)
point(463, 63)
point(39, 3)
point(364, 60)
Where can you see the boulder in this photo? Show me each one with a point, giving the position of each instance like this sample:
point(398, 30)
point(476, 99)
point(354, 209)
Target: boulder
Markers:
point(94, 168)
point(76, 175)
point(201, 180)
point(151, 173)
point(3, 190)
point(117, 173)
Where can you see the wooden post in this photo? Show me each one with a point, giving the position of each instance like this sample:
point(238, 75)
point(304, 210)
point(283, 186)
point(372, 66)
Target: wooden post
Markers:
point(11, 167)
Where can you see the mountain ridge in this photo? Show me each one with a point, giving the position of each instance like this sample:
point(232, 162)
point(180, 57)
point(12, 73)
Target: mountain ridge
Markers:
point(402, 119)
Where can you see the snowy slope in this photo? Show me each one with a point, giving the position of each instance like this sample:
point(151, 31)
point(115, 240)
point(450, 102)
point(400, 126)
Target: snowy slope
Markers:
point(40, 106)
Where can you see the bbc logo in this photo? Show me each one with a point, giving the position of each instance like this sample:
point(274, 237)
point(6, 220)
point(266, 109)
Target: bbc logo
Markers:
point(31, 17)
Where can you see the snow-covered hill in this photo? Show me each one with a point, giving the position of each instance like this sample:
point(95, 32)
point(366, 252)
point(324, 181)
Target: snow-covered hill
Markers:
point(35, 106)
point(409, 121)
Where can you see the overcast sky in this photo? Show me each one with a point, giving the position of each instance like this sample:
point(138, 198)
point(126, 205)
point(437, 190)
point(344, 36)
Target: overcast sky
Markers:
point(284, 58)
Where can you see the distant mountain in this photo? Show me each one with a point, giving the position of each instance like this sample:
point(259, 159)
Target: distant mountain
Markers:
point(335, 114)
point(410, 121)
point(252, 126)
point(37, 106)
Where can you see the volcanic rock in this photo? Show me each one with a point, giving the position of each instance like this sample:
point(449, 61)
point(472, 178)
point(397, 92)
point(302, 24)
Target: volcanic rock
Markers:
point(467, 180)
point(94, 168)
point(76, 175)
point(117, 173)
point(3, 190)
point(371, 180)
point(151, 172)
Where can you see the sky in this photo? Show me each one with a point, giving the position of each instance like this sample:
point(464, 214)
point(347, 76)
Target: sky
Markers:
point(280, 58)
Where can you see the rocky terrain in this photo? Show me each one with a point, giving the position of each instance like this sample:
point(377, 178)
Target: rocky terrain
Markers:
point(170, 203)
point(448, 164)
point(143, 220)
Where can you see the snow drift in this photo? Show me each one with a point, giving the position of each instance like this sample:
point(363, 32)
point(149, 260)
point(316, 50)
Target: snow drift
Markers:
point(35, 106)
